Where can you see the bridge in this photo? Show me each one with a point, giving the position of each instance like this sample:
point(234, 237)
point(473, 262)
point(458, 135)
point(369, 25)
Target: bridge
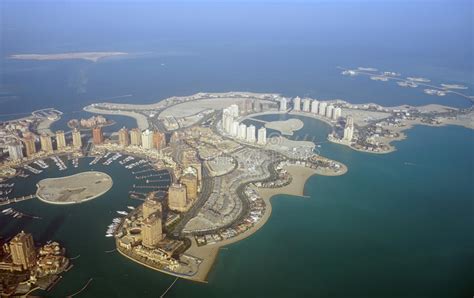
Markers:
point(257, 120)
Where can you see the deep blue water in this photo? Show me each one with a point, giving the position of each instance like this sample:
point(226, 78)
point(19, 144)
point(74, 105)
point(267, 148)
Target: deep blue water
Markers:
point(184, 48)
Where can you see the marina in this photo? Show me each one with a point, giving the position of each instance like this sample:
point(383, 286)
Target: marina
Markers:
point(17, 214)
point(59, 163)
point(32, 170)
point(112, 228)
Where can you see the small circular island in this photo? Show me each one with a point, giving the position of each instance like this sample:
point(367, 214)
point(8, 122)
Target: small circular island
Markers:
point(73, 189)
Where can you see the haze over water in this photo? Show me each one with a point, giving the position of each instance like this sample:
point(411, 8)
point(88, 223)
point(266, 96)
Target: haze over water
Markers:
point(187, 47)
point(396, 225)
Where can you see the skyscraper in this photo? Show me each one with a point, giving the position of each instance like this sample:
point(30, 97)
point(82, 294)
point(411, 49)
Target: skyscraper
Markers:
point(177, 197)
point(235, 128)
point(151, 206)
point(190, 181)
point(262, 136)
point(15, 151)
point(159, 140)
point(135, 137)
point(297, 104)
point(336, 114)
point(306, 105)
point(242, 131)
point(97, 135)
point(60, 140)
point(314, 106)
point(227, 120)
point(283, 104)
point(30, 145)
point(322, 108)
point(76, 138)
point(147, 139)
point(124, 137)
point(46, 143)
point(349, 129)
point(234, 110)
point(152, 231)
point(250, 135)
point(23, 251)
point(329, 111)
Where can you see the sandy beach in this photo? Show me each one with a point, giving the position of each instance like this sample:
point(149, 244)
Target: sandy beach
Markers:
point(89, 56)
point(210, 252)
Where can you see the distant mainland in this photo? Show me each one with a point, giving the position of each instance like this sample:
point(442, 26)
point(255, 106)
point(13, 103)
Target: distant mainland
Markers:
point(89, 56)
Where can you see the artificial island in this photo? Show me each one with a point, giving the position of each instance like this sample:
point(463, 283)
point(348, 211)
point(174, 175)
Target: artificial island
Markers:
point(222, 165)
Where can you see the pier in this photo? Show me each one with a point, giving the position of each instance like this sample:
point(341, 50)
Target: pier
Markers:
point(257, 120)
point(143, 171)
point(151, 187)
point(17, 199)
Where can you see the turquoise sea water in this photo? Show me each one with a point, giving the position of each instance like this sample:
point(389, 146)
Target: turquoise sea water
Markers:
point(396, 225)
point(403, 229)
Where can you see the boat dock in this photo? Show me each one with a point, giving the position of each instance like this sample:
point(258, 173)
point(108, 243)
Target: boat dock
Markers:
point(17, 199)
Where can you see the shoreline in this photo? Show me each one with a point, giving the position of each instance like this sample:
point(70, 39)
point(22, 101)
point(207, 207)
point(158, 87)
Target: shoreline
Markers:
point(70, 177)
point(141, 120)
point(210, 252)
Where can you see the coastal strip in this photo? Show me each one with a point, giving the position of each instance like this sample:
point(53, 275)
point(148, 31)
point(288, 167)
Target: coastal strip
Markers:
point(142, 121)
point(89, 56)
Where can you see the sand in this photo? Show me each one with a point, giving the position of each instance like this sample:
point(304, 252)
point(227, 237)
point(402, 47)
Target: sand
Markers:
point(286, 127)
point(142, 121)
point(89, 56)
point(74, 189)
point(44, 126)
point(209, 253)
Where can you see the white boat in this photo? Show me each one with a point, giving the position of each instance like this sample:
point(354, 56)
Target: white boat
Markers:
point(7, 210)
point(131, 207)
point(109, 235)
point(122, 212)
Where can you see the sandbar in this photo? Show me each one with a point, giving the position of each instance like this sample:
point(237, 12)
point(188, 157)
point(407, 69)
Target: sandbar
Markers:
point(89, 56)
point(73, 189)
point(286, 127)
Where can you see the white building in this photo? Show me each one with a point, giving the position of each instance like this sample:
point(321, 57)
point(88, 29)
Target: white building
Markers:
point(227, 122)
point(250, 137)
point(349, 129)
point(297, 104)
point(235, 128)
point(147, 139)
point(336, 114)
point(314, 106)
point(234, 110)
point(283, 104)
point(242, 131)
point(15, 151)
point(329, 111)
point(262, 136)
point(306, 105)
point(322, 108)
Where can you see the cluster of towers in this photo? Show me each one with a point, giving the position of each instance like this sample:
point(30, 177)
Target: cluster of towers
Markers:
point(28, 142)
point(241, 131)
point(182, 195)
point(316, 107)
point(147, 139)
